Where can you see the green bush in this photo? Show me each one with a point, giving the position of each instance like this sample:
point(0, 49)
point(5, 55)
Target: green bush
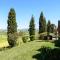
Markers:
point(47, 53)
point(57, 43)
point(25, 38)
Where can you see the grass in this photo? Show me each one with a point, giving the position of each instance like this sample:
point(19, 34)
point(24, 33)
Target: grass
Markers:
point(3, 41)
point(24, 51)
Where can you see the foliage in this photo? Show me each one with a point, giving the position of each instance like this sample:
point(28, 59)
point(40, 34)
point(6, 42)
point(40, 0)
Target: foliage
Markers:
point(24, 38)
point(12, 27)
point(57, 42)
point(32, 29)
point(48, 27)
point(12, 39)
point(42, 23)
point(45, 25)
point(47, 53)
point(52, 28)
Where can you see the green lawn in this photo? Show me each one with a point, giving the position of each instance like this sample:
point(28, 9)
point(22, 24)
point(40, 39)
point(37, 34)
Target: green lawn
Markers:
point(24, 51)
point(3, 41)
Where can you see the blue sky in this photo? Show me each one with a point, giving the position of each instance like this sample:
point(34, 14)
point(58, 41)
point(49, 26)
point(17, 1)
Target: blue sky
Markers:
point(25, 8)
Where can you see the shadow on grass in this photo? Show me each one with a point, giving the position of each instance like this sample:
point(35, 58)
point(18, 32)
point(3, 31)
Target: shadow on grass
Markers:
point(5, 48)
point(46, 53)
point(44, 40)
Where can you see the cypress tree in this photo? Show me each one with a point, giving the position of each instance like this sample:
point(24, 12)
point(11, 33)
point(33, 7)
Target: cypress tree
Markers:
point(12, 28)
point(42, 23)
point(48, 27)
point(32, 29)
point(52, 28)
point(45, 25)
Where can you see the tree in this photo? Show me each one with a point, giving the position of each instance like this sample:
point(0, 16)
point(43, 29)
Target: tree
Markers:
point(48, 27)
point(32, 29)
point(52, 28)
point(12, 28)
point(45, 26)
point(42, 23)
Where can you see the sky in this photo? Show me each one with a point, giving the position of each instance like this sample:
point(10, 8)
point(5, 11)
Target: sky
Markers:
point(26, 8)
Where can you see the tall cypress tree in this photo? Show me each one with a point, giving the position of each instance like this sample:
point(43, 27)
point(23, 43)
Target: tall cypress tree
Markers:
point(42, 23)
point(45, 25)
point(48, 27)
point(12, 27)
point(32, 29)
point(52, 28)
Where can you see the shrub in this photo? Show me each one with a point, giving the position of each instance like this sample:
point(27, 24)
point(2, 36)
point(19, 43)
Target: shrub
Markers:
point(25, 38)
point(47, 53)
point(57, 43)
